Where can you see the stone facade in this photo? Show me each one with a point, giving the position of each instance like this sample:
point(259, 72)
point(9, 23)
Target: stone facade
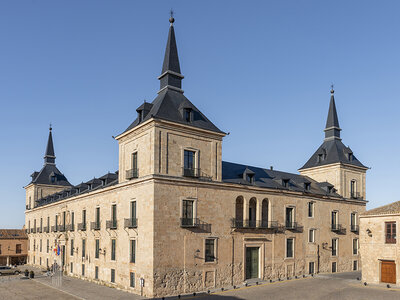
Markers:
point(13, 247)
point(376, 247)
point(192, 230)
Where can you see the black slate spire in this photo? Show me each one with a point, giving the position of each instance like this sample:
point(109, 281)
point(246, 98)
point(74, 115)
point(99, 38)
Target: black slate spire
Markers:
point(332, 128)
point(171, 76)
point(49, 157)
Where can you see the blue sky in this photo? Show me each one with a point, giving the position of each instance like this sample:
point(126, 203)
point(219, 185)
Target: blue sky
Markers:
point(260, 70)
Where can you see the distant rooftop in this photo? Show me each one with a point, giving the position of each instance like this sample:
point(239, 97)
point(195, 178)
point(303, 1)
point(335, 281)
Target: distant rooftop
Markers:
point(392, 208)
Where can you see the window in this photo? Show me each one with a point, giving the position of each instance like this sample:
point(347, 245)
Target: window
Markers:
point(132, 279)
point(133, 251)
point(353, 221)
point(84, 218)
point(307, 186)
point(187, 212)
point(47, 246)
point(285, 182)
point(289, 217)
point(18, 249)
point(71, 269)
point(113, 248)
point(72, 248)
point(40, 245)
point(311, 209)
point(334, 220)
point(41, 224)
point(97, 217)
point(334, 270)
point(97, 251)
point(134, 161)
point(189, 159)
point(83, 269)
point(96, 272)
point(350, 156)
point(210, 250)
point(355, 246)
point(113, 275)
point(390, 232)
point(250, 178)
point(353, 189)
point(48, 224)
point(133, 213)
point(334, 247)
point(114, 215)
point(56, 222)
point(289, 248)
point(83, 248)
point(311, 266)
point(72, 220)
point(311, 236)
point(64, 219)
point(355, 265)
point(187, 114)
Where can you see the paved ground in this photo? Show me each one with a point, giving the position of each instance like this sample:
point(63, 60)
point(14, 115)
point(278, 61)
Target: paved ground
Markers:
point(330, 286)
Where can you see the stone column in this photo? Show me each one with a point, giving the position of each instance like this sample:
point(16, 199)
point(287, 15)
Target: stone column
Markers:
point(245, 212)
point(258, 212)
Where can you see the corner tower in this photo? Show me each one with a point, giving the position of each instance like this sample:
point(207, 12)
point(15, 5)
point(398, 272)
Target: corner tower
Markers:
point(48, 180)
point(335, 163)
point(170, 136)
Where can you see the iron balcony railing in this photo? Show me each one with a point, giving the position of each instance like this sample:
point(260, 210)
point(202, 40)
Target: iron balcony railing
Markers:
point(61, 228)
point(132, 173)
point(54, 228)
point(130, 223)
point(111, 224)
point(191, 172)
point(189, 222)
point(70, 227)
point(46, 229)
point(95, 225)
point(354, 228)
point(264, 224)
point(38, 230)
point(336, 227)
point(293, 226)
point(355, 195)
point(82, 226)
point(33, 230)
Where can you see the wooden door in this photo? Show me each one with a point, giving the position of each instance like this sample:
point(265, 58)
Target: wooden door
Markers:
point(252, 262)
point(388, 271)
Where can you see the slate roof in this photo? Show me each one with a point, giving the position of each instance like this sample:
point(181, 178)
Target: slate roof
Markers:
point(170, 103)
point(235, 173)
point(49, 174)
point(332, 149)
point(12, 234)
point(392, 208)
point(104, 181)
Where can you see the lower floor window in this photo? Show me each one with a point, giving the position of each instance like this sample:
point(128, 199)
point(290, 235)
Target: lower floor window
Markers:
point(210, 250)
point(355, 265)
point(132, 279)
point(83, 269)
point(311, 267)
point(71, 269)
point(113, 275)
point(289, 247)
point(334, 270)
point(96, 272)
point(40, 261)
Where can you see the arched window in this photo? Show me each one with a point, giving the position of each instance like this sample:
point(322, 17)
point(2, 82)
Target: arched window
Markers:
point(239, 212)
point(264, 213)
point(252, 212)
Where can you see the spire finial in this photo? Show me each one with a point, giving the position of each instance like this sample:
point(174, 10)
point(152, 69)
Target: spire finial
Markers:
point(332, 90)
point(171, 19)
point(50, 128)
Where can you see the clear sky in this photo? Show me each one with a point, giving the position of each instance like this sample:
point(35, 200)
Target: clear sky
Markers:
point(260, 70)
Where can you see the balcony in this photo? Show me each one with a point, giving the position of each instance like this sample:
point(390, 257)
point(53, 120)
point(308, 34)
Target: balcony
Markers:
point(354, 228)
point(130, 223)
point(111, 224)
point(81, 226)
point(70, 227)
point(191, 172)
point(54, 228)
point(61, 228)
point(189, 222)
point(95, 225)
point(132, 173)
point(355, 195)
point(294, 226)
point(262, 224)
point(33, 230)
point(38, 230)
point(336, 227)
point(46, 229)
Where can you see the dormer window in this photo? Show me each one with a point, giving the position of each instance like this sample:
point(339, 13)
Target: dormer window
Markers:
point(140, 115)
point(89, 187)
point(103, 182)
point(350, 156)
point(307, 186)
point(53, 178)
point(330, 189)
point(285, 182)
point(250, 178)
point(187, 114)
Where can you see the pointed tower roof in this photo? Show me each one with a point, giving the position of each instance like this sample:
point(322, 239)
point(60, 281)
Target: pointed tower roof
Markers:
point(332, 149)
point(171, 76)
point(49, 157)
point(49, 174)
point(332, 128)
point(170, 103)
